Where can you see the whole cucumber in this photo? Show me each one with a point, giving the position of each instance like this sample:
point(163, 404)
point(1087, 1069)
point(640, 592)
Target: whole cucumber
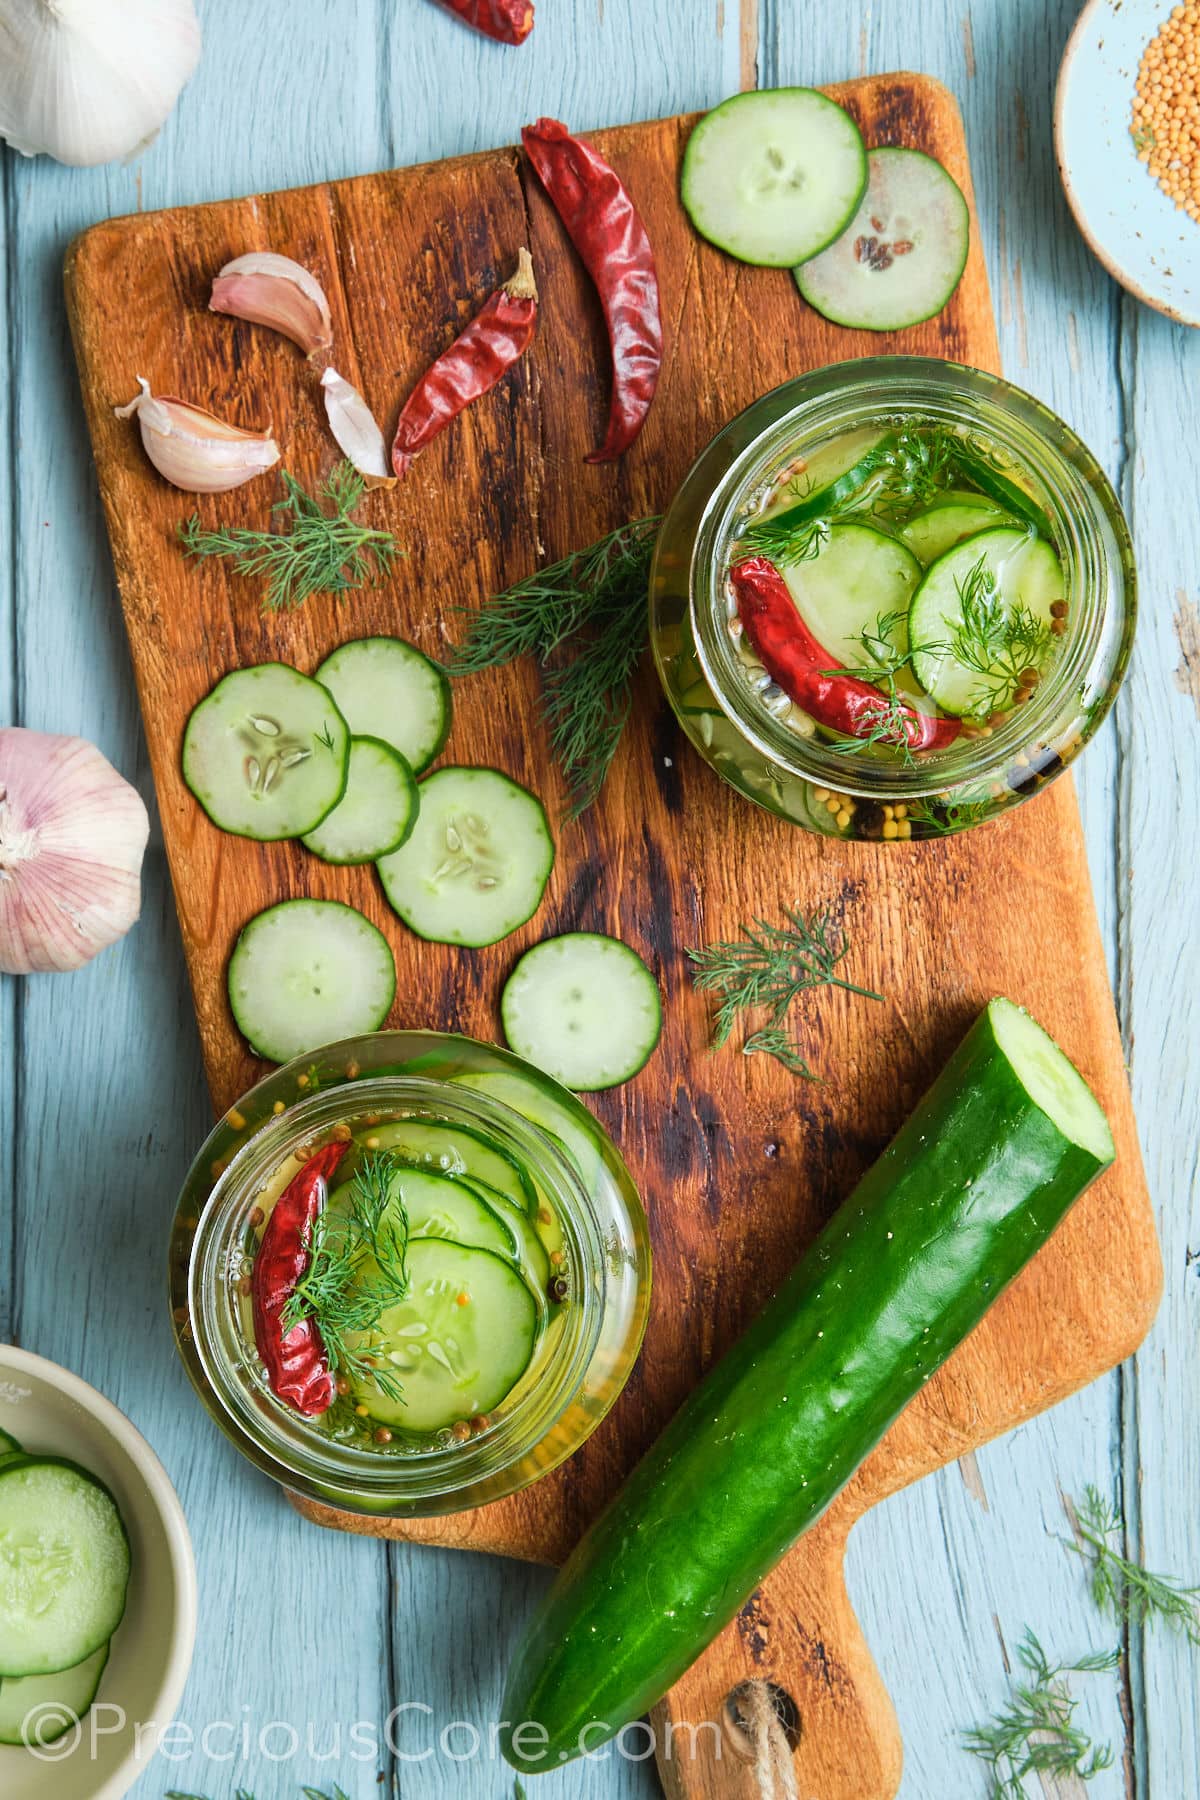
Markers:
point(996, 1153)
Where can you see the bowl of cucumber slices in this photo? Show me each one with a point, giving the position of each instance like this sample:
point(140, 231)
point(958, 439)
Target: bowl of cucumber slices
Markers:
point(97, 1589)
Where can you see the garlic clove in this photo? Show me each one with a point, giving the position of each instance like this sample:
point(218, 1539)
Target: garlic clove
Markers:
point(72, 836)
point(88, 81)
point(273, 290)
point(193, 449)
point(353, 426)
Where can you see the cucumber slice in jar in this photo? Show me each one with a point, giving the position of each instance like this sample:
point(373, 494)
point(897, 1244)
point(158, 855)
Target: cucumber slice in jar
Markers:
point(377, 811)
point(860, 581)
point(954, 515)
point(565, 1121)
point(532, 1254)
point(387, 688)
point(450, 1149)
point(902, 255)
point(773, 176)
point(66, 1565)
point(8, 1444)
point(459, 1341)
point(585, 1008)
point(53, 1704)
point(477, 862)
point(967, 663)
point(306, 973)
point(266, 753)
point(440, 1206)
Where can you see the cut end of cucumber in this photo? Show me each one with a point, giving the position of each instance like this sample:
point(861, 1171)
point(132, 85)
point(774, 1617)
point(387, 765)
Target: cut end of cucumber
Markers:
point(774, 175)
point(902, 255)
point(1051, 1079)
point(306, 973)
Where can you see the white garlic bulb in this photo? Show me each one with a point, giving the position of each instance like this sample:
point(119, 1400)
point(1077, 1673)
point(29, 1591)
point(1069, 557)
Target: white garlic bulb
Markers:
point(87, 81)
point(72, 837)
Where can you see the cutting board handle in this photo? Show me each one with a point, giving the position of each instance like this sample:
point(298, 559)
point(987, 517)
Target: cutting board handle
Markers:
point(797, 1632)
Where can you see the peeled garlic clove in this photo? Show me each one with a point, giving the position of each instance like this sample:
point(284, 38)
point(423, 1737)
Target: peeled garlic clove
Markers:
point(192, 448)
point(353, 426)
point(273, 290)
point(72, 836)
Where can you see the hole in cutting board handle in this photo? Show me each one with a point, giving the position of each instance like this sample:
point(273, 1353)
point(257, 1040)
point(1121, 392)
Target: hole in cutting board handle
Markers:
point(733, 1716)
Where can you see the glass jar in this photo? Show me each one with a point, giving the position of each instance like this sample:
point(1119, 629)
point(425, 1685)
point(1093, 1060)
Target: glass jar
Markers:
point(807, 778)
point(601, 1282)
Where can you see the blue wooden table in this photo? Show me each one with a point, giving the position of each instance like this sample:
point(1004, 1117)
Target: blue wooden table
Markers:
point(303, 1635)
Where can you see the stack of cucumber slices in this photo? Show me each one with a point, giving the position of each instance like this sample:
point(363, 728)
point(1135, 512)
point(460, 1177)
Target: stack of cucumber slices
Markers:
point(63, 1596)
point(333, 760)
point(877, 240)
point(463, 856)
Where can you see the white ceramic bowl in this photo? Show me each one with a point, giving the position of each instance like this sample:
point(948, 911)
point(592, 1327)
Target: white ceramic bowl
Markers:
point(47, 1408)
point(1151, 248)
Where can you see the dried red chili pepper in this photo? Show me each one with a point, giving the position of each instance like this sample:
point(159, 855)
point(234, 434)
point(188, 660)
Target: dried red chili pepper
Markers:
point(509, 21)
point(606, 229)
point(296, 1364)
point(500, 333)
point(795, 660)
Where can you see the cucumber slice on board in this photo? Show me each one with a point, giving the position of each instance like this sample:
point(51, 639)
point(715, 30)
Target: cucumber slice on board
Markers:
point(477, 862)
point(386, 688)
point(954, 516)
point(458, 1342)
point(377, 811)
point(585, 1008)
point(773, 176)
point(38, 1698)
point(306, 973)
point(901, 256)
point(66, 1565)
point(532, 1254)
point(1026, 575)
point(441, 1206)
point(859, 579)
point(266, 753)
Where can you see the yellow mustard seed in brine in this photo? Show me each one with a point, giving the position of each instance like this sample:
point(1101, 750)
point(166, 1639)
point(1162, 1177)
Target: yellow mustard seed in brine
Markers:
point(278, 1108)
point(235, 1120)
point(1165, 125)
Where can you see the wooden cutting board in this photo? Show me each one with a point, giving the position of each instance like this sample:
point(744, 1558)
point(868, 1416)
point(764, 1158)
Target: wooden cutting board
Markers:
point(738, 1162)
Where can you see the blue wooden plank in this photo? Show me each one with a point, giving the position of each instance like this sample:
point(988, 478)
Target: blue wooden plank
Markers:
point(1160, 979)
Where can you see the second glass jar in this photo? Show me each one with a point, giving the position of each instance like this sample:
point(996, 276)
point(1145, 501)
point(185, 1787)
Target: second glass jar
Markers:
point(798, 440)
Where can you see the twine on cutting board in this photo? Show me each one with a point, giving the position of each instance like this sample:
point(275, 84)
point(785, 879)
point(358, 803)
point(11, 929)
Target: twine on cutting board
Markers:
point(773, 1765)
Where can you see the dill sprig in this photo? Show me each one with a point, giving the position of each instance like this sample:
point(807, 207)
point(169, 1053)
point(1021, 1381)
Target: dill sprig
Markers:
point(996, 640)
point(904, 470)
point(357, 1268)
point(584, 619)
point(1036, 1732)
point(316, 551)
point(767, 969)
point(308, 1793)
point(1120, 1587)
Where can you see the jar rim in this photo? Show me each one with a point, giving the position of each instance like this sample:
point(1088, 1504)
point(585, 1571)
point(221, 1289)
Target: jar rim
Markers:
point(279, 1441)
point(1084, 512)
